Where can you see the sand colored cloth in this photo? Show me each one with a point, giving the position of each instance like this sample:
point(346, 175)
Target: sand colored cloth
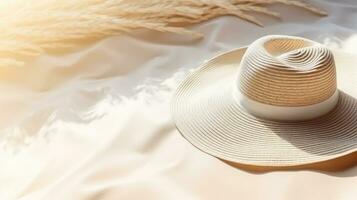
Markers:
point(95, 124)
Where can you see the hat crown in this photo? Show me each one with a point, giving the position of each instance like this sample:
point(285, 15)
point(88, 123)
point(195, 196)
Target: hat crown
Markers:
point(287, 71)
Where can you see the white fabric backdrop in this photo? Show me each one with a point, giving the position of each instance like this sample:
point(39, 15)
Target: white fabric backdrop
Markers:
point(95, 124)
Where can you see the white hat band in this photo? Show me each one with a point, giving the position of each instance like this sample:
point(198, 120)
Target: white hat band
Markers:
point(285, 113)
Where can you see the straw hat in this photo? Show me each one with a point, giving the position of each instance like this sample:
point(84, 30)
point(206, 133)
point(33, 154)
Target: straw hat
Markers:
point(278, 103)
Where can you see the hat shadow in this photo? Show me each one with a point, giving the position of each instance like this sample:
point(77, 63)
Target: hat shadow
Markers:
point(344, 166)
point(343, 119)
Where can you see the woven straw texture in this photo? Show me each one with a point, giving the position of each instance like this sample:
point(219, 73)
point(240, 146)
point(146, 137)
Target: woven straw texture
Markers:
point(284, 71)
point(208, 116)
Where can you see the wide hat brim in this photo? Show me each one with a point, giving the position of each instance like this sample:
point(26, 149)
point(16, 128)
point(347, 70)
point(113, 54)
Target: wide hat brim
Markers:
point(208, 115)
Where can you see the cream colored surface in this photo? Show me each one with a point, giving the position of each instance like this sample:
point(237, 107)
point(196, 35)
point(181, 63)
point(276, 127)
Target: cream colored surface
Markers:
point(95, 124)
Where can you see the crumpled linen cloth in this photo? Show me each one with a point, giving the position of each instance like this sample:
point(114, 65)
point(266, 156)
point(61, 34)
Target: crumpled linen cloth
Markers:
point(95, 123)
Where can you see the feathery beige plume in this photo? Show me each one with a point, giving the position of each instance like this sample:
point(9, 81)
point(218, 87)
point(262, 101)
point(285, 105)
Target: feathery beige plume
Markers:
point(30, 28)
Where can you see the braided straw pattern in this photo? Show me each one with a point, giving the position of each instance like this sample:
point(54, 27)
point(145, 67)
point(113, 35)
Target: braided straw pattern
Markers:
point(207, 114)
point(287, 71)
